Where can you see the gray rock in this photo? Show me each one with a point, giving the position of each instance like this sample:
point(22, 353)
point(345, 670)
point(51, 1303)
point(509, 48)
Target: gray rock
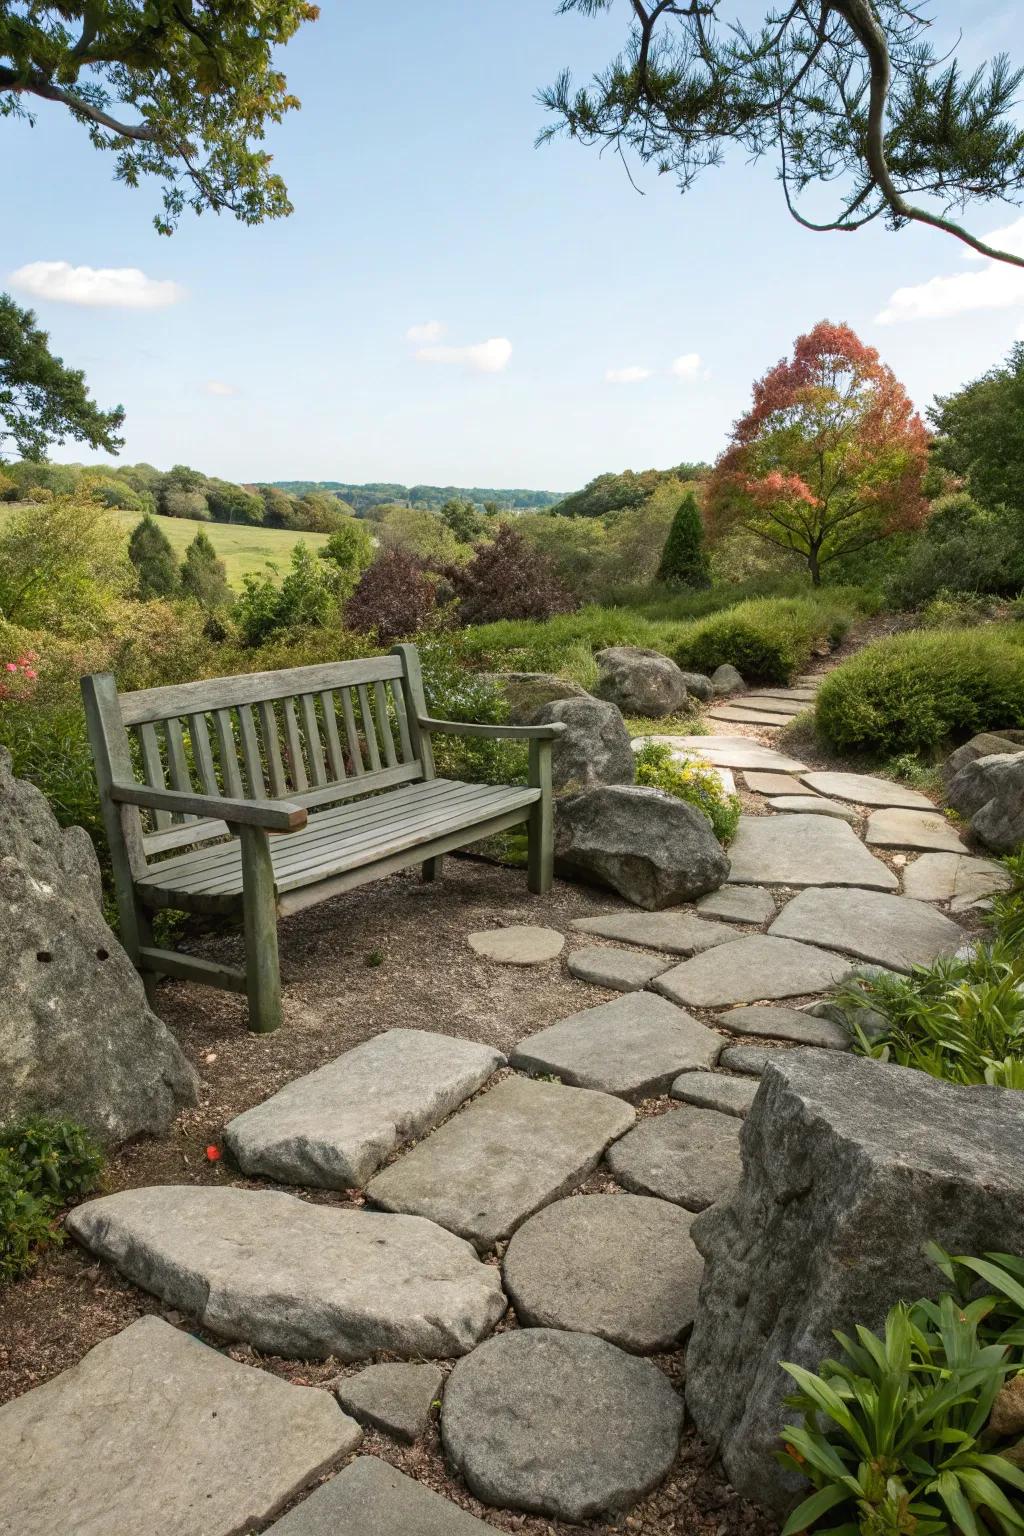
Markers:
point(335, 1126)
point(715, 1090)
point(633, 1047)
point(700, 685)
point(990, 791)
point(594, 747)
point(731, 752)
point(640, 681)
point(774, 784)
point(675, 933)
point(781, 703)
point(688, 1156)
point(805, 850)
point(792, 1024)
point(911, 829)
point(739, 904)
point(507, 1431)
point(955, 877)
point(816, 805)
point(521, 944)
point(750, 969)
point(526, 692)
point(741, 713)
point(866, 789)
point(618, 1266)
point(849, 1167)
point(654, 850)
point(889, 930)
point(293, 1278)
point(514, 1149)
point(748, 1059)
point(395, 1397)
point(624, 970)
point(77, 1037)
point(725, 679)
point(154, 1431)
point(986, 744)
point(803, 694)
point(371, 1498)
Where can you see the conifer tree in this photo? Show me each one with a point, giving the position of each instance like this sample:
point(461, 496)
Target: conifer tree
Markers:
point(149, 550)
point(684, 560)
point(203, 576)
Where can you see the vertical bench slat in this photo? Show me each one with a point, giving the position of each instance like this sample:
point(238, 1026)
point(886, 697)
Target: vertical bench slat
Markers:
point(314, 747)
point(202, 752)
point(272, 749)
point(251, 751)
point(177, 761)
point(369, 730)
point(293, 747)
point(153, 770)
point(351, 734)
point(335, 756)
point(398, 695)
point(384, 725)
point(229, 769)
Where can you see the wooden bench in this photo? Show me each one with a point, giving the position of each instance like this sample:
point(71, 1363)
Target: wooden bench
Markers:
point(335, 758)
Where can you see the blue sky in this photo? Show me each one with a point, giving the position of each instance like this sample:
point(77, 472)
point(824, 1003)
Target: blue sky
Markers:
point(420, 201)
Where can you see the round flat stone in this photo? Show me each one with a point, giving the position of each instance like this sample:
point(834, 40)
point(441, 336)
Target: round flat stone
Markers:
point(623, 1267)
point(523, 944)
point(559, 1424)
point(715, 1090)
point(395, 1397)
point(889, 930)
point(625, 970)
point(899, 828)
point(689, 1156)
point(816, 804)
point(866, 789)
point(785, 1024)
point(750, 969)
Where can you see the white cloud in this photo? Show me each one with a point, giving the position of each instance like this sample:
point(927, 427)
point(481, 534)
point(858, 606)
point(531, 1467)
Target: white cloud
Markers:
point(484, 357)
point(431, 330)
point(992, 286)
point(687, 366)
point(632, 375)
point(95, 287)
point(219, 388)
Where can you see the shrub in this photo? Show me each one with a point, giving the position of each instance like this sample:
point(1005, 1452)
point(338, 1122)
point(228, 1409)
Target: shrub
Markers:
point(203, 575)
point(962, 548)
point(695, 782)
point(684, 561)
point(918, 691)
point(149, 550)
point(507, 579)
point(178, 503)
point(63, 563)
point(393, 599)
point(26, 1224)
point(453, 693)
point(767, 639)
point(348, 552)
point(44, 1164)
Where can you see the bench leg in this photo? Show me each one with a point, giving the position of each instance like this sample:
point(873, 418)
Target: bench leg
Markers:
point(432, 867)
point(262, 969)
point(541, 828)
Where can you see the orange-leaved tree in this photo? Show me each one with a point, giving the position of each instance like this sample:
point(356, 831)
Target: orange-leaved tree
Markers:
point(829, 459)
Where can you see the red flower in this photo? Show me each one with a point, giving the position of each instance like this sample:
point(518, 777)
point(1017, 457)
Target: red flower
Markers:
point(213, 1154)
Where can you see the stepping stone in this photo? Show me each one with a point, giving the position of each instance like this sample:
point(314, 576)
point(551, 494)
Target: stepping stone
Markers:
point(511, 1151)
point(523, 944)
point(739, 904)
point(688, 1156)
point(785, 1024)
point(773, 784)
point(622, 969)
point(332, 1128)
point(815, 804)
point(396, 1398)
point(731, 752)
point(154, 1431)
point(912, 829)
point(780, 703)
point(623, 1267)
point(749, 969)
point(889, 930)
point(677, 933)
point(865, 789)
point(803, 850)
point(956, 877)
point(559, 1424)
point(751, 716)
point(633, 1047)
point(371, 1498)
point(748, 1059)
point(296, 1279)
point(715, 1090)
point(805, 694)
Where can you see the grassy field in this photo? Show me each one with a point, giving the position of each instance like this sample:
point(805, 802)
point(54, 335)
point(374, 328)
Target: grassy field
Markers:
point(242, 548)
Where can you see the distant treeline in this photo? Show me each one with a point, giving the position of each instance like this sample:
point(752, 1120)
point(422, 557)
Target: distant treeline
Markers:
point(363, 498)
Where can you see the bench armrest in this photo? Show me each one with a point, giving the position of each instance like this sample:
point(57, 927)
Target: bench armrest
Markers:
point(271, 815)
point(511, 732)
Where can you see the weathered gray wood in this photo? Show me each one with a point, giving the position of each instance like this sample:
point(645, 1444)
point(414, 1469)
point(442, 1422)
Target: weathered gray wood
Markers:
point(168, 962)
point(511, 732)
point(262, 968)
point(351, 732)
point(231, 774)
point(369, 729)
point(384, 725)
point(314, 748)
point(332, 741)
point(416, 705)
point(202, 752)
point(251, 757)
point(541, 833)
point(153, 769)
point(402, 716)
point(177, 757)
point(273, 815)
point(272, 749)
point(250, 688)
point(123, 824)
point(183, 835)
point(293, 746)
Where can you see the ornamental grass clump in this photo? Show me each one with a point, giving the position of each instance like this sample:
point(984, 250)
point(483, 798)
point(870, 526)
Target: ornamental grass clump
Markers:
point(694, 781)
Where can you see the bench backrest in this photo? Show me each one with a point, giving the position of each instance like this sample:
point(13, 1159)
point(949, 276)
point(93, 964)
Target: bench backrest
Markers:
point(313, 735)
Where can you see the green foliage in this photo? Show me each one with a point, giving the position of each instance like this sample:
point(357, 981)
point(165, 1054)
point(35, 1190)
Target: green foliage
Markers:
point(348, 551)
point(918, 691)
point(227, 503)
point(962, 548)
point(767, 639)
point(62, 564)
point(26, 1224)
point(684, 560)
point(42, 401)
point(150, 552)
point(980, 436)
point(44, 1164)
point(422, 535)
point(612, 493)
point(305, 599)
point(462, 517)
point(452, 693)
point(362, 499)
point(695, 782)
point(203, 576)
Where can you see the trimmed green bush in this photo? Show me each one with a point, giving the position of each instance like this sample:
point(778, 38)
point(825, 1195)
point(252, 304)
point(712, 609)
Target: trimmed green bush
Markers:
point(767, 639)
point(695, 782)
point(921, 691)
point(44, 1164)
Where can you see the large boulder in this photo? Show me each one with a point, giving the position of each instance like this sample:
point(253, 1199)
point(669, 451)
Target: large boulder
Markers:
point(984, 745)
point(990, 791)
point(594, 748)
point(700, 685)
point(77, 1037)
point(640, 681)
point(849, 1167)
point(526, 692)
point(653, 849)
